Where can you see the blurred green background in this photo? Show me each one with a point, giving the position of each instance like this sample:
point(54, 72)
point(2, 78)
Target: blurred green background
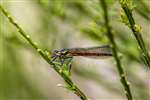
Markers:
point(56, 24)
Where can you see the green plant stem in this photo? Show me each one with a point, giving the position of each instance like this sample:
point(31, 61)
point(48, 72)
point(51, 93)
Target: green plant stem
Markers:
point(46, 57)
point(115, 54)
point(136, 32)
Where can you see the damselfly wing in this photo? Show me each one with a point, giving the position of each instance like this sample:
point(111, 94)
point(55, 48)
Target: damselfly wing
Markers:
point(92, 52)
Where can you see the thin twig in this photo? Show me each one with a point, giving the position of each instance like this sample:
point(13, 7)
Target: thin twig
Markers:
point(115, 54)
point(70, 85)
point(136, 31)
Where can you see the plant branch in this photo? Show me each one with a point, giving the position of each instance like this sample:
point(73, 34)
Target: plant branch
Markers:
point(46, 56)
point(136, 31)
point(114, 51)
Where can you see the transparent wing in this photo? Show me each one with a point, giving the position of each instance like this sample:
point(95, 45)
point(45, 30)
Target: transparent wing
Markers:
point(93, 52)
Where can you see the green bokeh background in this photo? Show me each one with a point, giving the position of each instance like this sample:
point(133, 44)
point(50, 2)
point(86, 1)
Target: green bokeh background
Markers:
point(56, 24)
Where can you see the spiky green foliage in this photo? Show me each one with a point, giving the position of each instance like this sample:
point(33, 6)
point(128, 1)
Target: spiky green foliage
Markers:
point(121, 72)
point(62, 72)
point(128, 7)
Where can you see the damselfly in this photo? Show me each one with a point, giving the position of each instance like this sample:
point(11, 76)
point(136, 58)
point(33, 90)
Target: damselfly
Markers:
point(93, 52)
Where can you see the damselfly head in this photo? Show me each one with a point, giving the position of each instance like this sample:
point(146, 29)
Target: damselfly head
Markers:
point(55, 53)
point(64, 51)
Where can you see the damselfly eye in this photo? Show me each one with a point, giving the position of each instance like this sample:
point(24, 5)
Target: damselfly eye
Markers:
point(64, 51)
point(55, 51)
